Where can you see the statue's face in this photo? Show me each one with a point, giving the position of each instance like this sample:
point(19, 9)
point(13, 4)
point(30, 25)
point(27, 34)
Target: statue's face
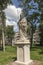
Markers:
point(23, 25)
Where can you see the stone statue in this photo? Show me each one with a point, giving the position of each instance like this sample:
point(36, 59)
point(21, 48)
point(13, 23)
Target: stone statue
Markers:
point(22, 34)
point(23, 44)
point(23, 29)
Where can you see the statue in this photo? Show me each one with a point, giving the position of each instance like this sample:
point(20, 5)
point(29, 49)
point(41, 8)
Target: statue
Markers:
point(23, 29)
point(22, 34)
point(23, 44)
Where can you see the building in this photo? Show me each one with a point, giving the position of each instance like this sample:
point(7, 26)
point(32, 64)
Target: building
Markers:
point(36, 38)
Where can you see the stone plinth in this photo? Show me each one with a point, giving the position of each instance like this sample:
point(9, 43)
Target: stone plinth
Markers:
point(23, 53)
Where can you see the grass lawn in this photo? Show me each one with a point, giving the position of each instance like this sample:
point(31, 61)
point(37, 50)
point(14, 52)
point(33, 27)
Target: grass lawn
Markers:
point(10, 54)
point(37, 53)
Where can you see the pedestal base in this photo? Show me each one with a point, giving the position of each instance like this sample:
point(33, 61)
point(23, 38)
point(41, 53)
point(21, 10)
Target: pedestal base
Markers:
point(23, 63)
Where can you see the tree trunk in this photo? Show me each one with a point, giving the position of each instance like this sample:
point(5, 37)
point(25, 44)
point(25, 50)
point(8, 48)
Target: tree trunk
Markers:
point(41, 42)
point(31, 41)
point(3, 39)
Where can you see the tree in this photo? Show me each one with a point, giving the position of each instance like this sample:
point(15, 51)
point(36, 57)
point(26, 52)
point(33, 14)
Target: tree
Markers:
point(40, 2)
point(3, 5)
point(33, 18)
point(41, 32)
point(10, 33)
point(0, 35)
point(41, 23)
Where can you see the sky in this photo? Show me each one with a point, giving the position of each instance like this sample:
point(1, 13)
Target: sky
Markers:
point(15, 3)
point(13, 12)
point(12, 16)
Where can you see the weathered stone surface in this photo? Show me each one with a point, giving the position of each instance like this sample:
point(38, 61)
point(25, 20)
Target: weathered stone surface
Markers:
point(22, 34)
point(35, 62)
point(23, 53)
point(23, 45)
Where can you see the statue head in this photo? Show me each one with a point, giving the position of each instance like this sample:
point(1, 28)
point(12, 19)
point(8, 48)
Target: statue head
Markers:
point(23, 25)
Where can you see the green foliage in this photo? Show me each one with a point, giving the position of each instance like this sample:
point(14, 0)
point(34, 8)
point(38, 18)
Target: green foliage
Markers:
point(10, 33)
point(37, 0)
point(0, 33)
point(41, 32)
point(41, 23)
point(3, 4)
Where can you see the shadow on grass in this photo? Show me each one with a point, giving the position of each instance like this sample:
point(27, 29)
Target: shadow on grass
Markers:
point(1, 48)
point(34, 48)
point(40, 47)
point(37, 47)
point(41, 52)
point(14, 58)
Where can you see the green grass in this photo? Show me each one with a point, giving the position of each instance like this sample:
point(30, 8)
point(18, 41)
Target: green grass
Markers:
point(10, 54)
point(37, 53)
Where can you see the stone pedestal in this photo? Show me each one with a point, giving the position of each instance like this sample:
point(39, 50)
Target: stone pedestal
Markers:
point(23, 53)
